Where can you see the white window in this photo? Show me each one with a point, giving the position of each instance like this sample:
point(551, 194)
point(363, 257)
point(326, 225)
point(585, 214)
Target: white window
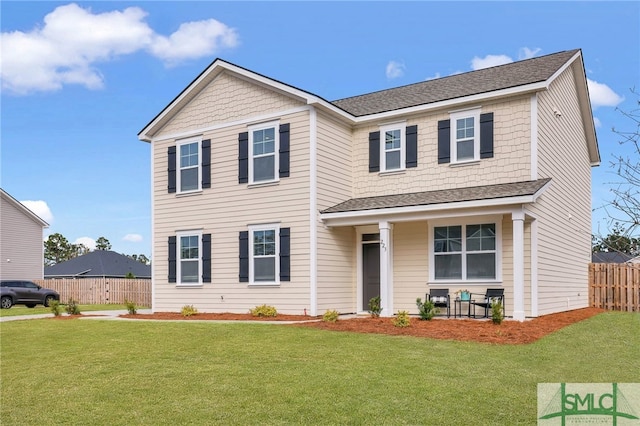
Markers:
point(189, 166)
point(465, 252)
point(264, 144)
point(189, 267)
point(392, 147)
point(264, 265)
point(465, 136)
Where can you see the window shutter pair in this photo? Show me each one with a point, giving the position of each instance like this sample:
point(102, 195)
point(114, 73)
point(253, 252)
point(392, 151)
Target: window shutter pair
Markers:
point(205, 162)
point(411, 149)
point(486, 138)
point(283, 152)
point(206, 258)
point(285, 255)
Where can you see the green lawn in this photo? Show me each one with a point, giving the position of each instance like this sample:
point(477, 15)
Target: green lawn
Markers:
point(23, 310)
point(155, 373)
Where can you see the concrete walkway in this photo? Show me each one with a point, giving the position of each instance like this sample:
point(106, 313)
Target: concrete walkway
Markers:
point(99, 315)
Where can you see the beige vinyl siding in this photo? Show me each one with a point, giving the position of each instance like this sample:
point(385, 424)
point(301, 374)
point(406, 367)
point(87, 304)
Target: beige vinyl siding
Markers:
point(564, 210)
point(228, 98)
point(22, 243)
point(226, 209)
point(510, 162)
point(336, 268)
point(410, 264)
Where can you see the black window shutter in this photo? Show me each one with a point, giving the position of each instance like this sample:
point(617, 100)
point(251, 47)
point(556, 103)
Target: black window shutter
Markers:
point(206, 258)
point(412, 146)
point(284, 150)
point(486, 135)
point(244, 256)
point(172, 259)
point(243, 157)
point(285, 254)
point(444, 141)
point(171, 168)
point(206, 163)
point(374, 152)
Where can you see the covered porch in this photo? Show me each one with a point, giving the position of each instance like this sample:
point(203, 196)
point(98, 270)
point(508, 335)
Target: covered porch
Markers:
point(460, 239)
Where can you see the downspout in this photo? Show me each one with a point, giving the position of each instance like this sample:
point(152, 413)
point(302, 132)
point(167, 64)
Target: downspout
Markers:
point(313, 220)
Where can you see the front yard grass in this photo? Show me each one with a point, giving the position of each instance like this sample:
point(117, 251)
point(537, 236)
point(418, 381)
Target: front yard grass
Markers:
point(23, 310)
point(150, 373)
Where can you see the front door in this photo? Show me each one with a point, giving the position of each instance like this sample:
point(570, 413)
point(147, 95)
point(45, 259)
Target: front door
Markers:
point(370, 272)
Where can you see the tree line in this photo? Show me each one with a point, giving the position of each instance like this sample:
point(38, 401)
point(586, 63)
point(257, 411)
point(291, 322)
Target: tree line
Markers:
point(58, 249)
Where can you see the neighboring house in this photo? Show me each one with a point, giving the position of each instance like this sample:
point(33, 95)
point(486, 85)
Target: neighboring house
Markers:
point(21, 240)
point(98, 264)
point(611, 257)
point(264, 193)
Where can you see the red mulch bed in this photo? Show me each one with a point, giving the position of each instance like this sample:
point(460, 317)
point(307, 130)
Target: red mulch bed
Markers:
point(509, 332)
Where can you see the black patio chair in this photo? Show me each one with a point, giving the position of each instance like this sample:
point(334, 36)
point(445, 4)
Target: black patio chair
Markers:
point(486, 300)
point(440, 298)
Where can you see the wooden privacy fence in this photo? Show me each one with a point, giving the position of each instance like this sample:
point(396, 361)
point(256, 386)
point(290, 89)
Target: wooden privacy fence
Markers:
point(614, 286)
point(92, 291)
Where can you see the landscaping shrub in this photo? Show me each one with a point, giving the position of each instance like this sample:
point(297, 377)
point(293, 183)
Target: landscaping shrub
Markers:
point(55, 308)
point(132, 308)
point(426, 309)
point(330, 316)
point(72, 307)
point(188, 310)
point(496, 312)
point(264, 311)
point(402, 319)
point(374, 307)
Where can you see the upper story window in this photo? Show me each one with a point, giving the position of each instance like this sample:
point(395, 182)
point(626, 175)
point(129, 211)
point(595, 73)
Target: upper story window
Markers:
point(466, 137)
point(393, 148)
point(189, 166)
point(189, 176)
point(263, 153)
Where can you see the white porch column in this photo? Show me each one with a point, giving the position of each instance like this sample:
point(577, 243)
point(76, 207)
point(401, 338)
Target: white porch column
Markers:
point(518, 265)
point(386, 269)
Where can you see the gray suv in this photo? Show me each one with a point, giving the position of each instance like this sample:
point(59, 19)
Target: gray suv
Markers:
point(28, 293)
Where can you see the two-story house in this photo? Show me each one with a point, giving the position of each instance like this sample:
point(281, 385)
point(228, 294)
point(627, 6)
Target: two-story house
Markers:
point(264, 193)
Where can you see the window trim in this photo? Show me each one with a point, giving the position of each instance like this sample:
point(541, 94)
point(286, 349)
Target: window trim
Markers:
point(276, 151)
point(179, 144)
point(464, 222)
point(454, 117)
point(402, 127)
point(264, 227)
point(179, 260)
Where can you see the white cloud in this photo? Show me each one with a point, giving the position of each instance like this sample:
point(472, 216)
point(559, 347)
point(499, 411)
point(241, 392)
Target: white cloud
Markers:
point(489, 61)
point(40, 208)
point(602, 95)
point(73, 40)
point(597, 122)
point(437, 75)
point(395, 69)
point(133, 238)
point(194, 40)
point(526, 53)
point(87, 241)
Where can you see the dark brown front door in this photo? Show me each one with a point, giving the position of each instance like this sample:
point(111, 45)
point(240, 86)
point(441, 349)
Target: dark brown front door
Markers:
point(370, 272)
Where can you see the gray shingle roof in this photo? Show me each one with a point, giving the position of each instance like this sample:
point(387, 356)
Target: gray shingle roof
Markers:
point(471, 83)
point(99, 263)
point(486, 192)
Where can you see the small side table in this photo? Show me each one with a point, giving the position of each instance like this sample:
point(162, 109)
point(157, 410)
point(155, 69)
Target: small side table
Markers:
point(457, 307)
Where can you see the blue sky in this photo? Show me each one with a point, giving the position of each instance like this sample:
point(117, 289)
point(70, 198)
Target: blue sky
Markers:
point(80, 80)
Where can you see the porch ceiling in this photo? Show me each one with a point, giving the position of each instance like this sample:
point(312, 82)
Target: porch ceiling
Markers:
point(500, 194)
